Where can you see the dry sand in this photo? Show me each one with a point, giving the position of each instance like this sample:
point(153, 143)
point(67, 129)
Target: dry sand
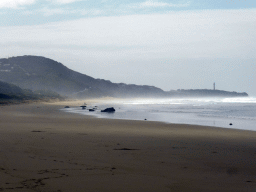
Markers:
point(45, 149)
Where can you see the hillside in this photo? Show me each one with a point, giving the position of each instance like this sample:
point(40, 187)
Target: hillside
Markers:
point(9, 89)
point(205, 93)
point(39, 73)
point(10, 93)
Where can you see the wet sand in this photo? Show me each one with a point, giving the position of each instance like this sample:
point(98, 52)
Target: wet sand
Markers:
point(45, 149)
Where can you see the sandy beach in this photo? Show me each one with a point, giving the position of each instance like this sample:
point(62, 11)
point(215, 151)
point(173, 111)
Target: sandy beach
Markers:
point(45, 149)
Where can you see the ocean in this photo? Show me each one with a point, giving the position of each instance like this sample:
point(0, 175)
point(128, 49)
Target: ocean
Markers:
point(235, 113)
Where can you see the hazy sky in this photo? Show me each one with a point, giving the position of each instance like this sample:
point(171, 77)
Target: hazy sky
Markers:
point(169, 44)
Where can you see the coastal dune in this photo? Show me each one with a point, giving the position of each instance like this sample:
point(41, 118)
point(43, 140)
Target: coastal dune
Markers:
point(45, 149)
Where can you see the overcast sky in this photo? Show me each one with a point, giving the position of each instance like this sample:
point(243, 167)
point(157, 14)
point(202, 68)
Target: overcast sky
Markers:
point(187, 44)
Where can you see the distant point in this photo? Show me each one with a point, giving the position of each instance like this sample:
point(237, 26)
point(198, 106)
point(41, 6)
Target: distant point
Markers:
point(214, 86)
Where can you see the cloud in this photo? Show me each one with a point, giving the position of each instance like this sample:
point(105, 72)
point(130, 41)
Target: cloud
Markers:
point(91, 12)
point(64, 1)
point(157, 4)
point(52, 11)
point(123, 9)
point(46, 11)
point(184, 34)
point(15, 3)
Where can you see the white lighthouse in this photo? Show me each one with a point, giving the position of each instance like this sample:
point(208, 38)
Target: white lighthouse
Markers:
point(214, 86)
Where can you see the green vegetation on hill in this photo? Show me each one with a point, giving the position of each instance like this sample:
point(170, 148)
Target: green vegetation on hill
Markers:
point(10, 94)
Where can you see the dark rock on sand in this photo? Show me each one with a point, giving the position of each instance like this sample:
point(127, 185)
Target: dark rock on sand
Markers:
point(91, 110)
point(109, 110)
point(126, 149)
point(66, 107)
point(35, 131)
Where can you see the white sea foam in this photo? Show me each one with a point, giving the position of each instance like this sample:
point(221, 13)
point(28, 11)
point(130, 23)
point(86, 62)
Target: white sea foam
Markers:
point(183, 101)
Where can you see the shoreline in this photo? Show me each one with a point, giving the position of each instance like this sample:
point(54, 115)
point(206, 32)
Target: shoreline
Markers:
point(44, 149)
point(134, 114)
